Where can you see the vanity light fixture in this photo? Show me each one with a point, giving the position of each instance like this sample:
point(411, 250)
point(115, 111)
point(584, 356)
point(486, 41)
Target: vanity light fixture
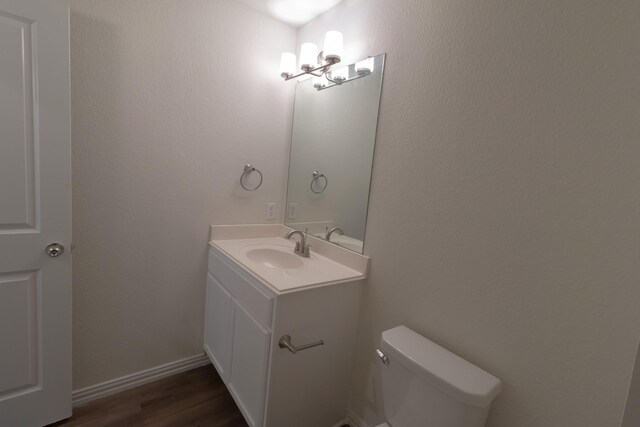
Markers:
point(364, 67)
point(287, 63)
point(312, 62)
point(320, 81)
point(333, 46)
point(308, 56)
point(339, 75)
point(333, 78)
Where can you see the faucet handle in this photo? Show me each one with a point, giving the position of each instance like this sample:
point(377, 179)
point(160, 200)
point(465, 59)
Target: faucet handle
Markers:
point(338, 230)
point(301, 247)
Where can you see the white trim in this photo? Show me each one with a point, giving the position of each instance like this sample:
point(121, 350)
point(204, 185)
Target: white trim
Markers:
point(84, 395)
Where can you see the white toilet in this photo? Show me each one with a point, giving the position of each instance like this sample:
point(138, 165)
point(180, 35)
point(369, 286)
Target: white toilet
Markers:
point(425, 385)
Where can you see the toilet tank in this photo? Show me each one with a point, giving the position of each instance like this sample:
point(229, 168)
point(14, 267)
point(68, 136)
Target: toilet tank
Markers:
point(425, 385)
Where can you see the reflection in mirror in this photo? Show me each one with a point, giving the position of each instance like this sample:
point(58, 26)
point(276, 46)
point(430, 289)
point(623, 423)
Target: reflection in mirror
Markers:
point(334, 130)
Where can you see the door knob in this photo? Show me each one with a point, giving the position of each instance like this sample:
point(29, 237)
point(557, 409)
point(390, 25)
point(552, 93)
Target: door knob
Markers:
point(55, 249)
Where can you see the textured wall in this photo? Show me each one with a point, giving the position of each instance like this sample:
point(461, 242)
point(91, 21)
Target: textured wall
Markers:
point(170, 100)
point(505, 203)
point(632, 408)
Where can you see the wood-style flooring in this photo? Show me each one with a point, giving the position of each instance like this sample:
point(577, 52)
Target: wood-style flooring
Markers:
point(189, 399)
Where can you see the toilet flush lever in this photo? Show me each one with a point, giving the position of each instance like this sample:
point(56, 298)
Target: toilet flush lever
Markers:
point(383, 357)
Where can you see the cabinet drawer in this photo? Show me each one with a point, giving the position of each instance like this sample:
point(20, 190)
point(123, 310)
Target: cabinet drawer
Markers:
point(240, 285)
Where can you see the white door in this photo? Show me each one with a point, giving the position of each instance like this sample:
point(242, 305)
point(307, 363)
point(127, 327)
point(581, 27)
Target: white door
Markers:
point(35, 211)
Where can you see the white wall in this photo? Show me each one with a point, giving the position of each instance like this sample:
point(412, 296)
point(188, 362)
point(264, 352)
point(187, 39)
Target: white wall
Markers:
point(170, 100)
point(504, 210)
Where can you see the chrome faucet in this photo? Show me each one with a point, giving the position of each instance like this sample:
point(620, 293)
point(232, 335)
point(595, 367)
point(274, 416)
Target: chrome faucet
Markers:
point(301, 248)
point(338, 230)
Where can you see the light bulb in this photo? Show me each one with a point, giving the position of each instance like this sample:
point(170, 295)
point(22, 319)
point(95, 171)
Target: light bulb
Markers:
point(340, 74)
point(287, 64)
point(333, 46)
point(319, 82)
point(365, 67)
point(308, 56)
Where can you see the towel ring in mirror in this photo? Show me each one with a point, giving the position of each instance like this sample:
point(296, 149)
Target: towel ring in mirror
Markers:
point(317, 176)
point(247, 171)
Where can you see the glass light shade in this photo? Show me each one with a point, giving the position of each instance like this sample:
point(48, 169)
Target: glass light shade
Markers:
point(308, 56)
point(340, 75)
point(333, 46)
point(319, 82)
point(287, 64)
point(365, 67)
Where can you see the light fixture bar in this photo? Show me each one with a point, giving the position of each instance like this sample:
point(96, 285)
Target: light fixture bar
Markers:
point(312, 71)
point(338, 82)
point(311, 62)
point(362, 69)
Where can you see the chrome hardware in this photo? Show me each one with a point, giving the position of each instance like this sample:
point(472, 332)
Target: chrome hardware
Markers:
point(321, 67)
point(247, 171)
point(383, 357)
point(338, 230)
point(285, 342)
point(316, 176)
point(301, 248)
point(54, 250)
point(336, 82)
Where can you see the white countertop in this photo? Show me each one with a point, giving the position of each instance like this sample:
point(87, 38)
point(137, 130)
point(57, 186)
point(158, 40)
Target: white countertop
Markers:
point(328, 263)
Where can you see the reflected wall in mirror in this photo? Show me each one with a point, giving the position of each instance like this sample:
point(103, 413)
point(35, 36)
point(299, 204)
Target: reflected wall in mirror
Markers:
point(333, 138)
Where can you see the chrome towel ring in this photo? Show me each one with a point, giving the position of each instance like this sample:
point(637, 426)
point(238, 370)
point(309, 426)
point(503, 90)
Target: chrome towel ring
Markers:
point(246, 172)
point(317, 176)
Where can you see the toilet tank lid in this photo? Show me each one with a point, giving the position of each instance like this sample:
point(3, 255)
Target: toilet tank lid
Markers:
point(444, 370)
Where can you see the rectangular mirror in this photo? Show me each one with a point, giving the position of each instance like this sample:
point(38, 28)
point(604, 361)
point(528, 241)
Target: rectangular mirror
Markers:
point(333, 138)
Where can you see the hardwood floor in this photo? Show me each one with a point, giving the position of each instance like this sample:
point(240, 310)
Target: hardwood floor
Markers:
point(193, 398)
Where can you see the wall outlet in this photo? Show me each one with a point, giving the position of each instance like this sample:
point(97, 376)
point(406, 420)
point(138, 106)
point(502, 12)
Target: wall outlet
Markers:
point(271, 210)
point(291, 210)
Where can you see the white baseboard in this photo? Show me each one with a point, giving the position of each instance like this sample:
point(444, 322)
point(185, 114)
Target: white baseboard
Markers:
point(84, 395)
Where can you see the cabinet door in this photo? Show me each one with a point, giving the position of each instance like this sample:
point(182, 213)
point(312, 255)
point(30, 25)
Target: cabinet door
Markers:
point(249, 360)
point(218, 327)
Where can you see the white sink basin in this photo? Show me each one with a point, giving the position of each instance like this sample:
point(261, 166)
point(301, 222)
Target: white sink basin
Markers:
point(274, 257)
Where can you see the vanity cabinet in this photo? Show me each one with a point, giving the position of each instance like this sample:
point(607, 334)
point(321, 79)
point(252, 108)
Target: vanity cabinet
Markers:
point(244, 321)
point(249, 360)
point(218, 326)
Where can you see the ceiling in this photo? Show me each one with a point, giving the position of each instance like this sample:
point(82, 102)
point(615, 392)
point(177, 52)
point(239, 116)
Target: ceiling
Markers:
point(292, 12)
